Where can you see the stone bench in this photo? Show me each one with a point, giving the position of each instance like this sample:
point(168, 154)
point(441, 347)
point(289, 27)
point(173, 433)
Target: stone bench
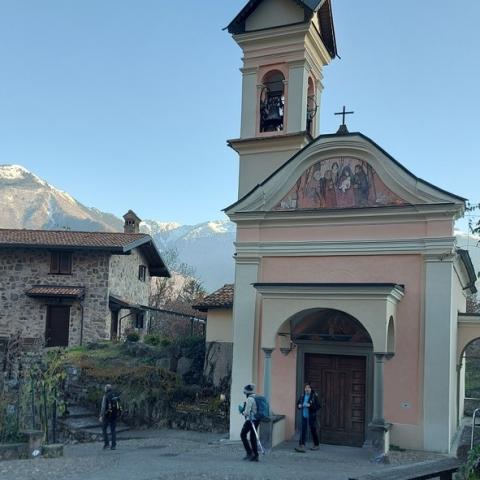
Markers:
point(442, 469)
point(272, 431)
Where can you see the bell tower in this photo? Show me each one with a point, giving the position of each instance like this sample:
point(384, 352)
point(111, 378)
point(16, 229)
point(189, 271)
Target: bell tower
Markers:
point(285, 45)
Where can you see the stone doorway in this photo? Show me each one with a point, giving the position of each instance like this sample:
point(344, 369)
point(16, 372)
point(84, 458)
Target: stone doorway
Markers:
point(340, 381)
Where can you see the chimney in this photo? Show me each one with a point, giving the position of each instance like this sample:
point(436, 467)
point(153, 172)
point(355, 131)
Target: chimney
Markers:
point(132, 222)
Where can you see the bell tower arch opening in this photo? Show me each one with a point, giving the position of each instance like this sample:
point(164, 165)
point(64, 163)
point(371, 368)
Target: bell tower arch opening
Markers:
point(272, 102)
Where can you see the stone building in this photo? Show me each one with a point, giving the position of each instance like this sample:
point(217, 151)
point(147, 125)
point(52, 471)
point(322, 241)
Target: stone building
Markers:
point(346, 270)
point(67, 288)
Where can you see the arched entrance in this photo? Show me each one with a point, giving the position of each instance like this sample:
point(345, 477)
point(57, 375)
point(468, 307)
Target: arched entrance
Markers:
point(335, 354)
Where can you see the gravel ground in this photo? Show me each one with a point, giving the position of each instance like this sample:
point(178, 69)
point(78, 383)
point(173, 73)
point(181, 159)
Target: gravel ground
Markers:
point(171, 454)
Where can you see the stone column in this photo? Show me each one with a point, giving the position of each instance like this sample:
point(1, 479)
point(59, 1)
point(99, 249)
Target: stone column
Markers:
point(267, 373)
point(379, 429)
point(378, 387)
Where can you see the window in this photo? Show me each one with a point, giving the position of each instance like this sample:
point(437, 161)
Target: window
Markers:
point(61, 263)
point(140, 320)
point(142, 272)
point(272, 101)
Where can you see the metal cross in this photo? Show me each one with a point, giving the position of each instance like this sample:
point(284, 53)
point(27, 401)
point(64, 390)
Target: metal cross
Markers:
point(343, 113)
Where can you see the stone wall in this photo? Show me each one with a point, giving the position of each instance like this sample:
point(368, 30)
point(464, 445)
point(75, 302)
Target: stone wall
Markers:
point(125, 284)
point(218, 362)
point(21, 269)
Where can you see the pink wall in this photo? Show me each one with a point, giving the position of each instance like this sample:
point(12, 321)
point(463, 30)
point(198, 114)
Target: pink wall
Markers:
point(431, 228)
point(403, 373)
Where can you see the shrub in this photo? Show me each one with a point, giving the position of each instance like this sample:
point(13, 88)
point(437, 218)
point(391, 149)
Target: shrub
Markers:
point(153, 339)
point(471, 470)
point(133, 337)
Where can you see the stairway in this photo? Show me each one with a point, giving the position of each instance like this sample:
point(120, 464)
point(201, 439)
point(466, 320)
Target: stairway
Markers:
point(82, 425)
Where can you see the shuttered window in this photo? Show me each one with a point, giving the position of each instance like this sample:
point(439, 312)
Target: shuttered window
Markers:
point(61, 263)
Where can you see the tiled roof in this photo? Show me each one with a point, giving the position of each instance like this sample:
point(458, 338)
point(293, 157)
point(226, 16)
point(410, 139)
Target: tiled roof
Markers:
point(67, 238)
point(221, 298)
point(56, 291)
point(119, 243)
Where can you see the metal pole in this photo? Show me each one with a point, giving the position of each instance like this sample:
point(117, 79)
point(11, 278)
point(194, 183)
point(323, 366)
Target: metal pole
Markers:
point(54, 416)
point(45, 410)
point(33, 405)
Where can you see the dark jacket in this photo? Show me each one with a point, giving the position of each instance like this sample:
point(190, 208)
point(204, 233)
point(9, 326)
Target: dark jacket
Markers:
point(314, 404)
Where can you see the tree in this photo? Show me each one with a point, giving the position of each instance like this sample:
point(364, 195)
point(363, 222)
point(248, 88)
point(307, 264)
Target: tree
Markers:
point(182, 289)
point(474, 225)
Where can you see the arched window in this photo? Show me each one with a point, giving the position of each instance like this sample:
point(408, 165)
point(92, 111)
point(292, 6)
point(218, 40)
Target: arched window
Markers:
point(272, 102)
point(312, 107)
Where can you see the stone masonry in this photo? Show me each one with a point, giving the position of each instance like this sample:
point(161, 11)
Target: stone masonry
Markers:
point(100, 273)
point(21, 269)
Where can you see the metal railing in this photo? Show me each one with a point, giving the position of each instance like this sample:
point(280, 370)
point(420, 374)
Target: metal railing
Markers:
point(474, 416)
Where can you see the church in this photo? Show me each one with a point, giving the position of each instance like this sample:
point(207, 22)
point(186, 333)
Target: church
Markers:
point(346, 270)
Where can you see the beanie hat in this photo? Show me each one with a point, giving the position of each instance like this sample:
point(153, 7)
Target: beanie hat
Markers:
point(249, 389)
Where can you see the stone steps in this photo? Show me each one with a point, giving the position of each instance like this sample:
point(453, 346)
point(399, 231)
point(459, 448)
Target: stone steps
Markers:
point(82, 425)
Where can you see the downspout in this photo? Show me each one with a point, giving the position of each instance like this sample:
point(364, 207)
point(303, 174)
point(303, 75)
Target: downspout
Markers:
point(120, 322)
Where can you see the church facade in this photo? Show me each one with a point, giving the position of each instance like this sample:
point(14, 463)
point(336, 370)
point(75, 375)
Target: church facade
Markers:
point(346, 270)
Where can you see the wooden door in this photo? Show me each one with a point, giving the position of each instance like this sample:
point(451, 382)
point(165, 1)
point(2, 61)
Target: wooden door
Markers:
point(58, 321)
point(340, 381)
point(114, 325)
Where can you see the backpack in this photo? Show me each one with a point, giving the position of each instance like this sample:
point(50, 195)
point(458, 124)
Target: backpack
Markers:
point(113, 407)
point(263, 409)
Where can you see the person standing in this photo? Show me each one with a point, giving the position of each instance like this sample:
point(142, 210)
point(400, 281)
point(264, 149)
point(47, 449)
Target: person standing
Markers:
point(249, 410)
point(309, 404)
point(109, 412)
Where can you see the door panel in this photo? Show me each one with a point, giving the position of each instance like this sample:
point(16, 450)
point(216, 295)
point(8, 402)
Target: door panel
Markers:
point(57, 328)
point(340, 381)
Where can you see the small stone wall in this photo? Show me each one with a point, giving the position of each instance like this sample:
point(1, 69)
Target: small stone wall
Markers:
point(470, 405)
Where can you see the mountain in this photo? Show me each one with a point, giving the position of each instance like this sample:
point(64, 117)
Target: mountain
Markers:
point(29, 202)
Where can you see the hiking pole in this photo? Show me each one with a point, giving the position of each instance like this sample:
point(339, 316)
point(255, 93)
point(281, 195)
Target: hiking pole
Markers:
point(258, 438)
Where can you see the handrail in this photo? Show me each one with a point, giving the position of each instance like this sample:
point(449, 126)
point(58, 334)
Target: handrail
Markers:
point(475, 412)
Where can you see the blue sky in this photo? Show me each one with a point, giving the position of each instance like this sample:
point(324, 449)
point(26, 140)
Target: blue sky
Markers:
point(128, 104)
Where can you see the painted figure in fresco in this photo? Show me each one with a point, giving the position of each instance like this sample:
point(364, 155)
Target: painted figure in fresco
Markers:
point(311, 191)
point(345, 197)
point(335, 169)
point(360, 187)
point(329, 195)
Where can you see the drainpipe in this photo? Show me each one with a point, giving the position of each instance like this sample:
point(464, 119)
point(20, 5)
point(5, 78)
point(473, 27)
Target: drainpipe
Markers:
point(120, 322)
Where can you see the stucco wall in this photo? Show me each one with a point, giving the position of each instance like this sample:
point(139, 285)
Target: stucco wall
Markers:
point(220, 325)
point(21, 269)
point(403, 373)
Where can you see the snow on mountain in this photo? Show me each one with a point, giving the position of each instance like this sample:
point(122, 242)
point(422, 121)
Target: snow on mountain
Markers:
point(30, 202)
point(207, 247)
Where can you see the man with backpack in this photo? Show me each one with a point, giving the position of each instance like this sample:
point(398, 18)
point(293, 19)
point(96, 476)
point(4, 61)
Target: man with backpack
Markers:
point(249, 411)
point(109, 412)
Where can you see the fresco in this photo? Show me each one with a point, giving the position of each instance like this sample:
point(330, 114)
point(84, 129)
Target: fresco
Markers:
point(340, 182)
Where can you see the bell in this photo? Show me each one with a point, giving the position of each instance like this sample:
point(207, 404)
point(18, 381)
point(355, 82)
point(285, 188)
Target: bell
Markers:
point(272, 114)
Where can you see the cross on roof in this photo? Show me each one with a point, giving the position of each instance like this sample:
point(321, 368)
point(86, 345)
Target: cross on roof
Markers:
point(343, 113)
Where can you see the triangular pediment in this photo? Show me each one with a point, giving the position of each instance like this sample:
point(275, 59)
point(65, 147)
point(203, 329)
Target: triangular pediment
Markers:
point(339, 172)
